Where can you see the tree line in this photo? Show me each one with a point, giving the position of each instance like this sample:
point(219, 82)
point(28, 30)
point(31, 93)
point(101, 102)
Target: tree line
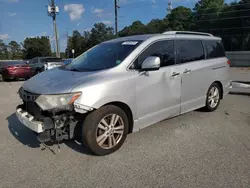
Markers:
point(30, 48)
point(231, 22)
point(10, 51)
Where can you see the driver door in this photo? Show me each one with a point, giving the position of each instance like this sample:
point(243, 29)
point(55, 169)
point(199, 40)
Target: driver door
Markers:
point(158, 92)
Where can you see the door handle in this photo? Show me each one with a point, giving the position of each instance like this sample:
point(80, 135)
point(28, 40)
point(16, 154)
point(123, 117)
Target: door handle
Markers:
point(186, 71)
point(174, 74)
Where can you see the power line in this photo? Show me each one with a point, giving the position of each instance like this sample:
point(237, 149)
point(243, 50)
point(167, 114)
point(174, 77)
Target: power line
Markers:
point(207, 29)
point(226, 18)
point(222, 12)
point(225, 6)
point(230, 28)
point(233, 35)
point(229, 18)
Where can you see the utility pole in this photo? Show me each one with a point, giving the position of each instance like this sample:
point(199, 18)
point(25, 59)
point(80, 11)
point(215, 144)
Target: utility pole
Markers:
point(67, 44)
point(116, 23)
point(53, 11)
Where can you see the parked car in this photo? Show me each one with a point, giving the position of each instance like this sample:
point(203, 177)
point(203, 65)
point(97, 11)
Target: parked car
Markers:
point(124, 85)
point(39, 64)
point(10, 70)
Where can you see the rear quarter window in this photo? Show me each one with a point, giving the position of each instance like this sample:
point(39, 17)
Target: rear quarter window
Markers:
point(214, 49)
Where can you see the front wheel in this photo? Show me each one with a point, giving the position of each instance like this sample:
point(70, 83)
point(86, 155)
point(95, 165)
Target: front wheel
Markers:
point(213, 97)
point(105, 130)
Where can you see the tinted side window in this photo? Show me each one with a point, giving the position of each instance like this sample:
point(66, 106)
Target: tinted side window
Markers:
point(54, 60)
point(43, 60)
point(162, 49)
point(34, 61)
point(190, 50)
point(214, 49)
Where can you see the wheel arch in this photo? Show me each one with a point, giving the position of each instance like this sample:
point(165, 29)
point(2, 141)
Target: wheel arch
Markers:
point(221, 87)
point(127, 110)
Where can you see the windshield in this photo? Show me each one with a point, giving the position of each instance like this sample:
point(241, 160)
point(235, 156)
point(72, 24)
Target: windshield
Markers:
point(103, 56)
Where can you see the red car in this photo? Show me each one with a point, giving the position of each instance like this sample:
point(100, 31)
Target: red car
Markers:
point(15, 70)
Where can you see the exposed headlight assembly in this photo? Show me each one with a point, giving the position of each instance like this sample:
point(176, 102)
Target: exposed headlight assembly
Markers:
point(46, 102)
point(46, 66)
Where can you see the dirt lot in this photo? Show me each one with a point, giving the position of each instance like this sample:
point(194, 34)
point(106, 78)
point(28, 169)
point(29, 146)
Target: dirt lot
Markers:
point(197, 149)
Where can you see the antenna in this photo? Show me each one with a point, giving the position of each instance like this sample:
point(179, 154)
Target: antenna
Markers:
point(170, 8)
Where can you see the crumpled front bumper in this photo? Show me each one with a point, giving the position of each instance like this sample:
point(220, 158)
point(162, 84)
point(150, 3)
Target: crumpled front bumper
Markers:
point(48, 128)
point(28, 120)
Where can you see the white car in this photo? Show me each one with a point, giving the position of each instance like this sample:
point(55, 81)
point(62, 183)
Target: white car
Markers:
point(40, 64)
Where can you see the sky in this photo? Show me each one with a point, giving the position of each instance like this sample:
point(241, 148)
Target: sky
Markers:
point(29, 18)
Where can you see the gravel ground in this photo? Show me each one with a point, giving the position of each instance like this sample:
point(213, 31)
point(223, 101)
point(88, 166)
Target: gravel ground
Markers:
point(196, 149)
point(240, 74)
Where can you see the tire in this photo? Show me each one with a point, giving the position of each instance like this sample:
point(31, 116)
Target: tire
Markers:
point(212, 100)
point(27, 78)
point(39, 70)
point(91, 131)
point(1, 78)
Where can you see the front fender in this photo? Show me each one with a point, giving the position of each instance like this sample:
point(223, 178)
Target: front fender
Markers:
point(95, 96)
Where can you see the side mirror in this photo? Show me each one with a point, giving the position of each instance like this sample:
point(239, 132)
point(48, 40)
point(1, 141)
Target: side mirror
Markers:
point(151, 63)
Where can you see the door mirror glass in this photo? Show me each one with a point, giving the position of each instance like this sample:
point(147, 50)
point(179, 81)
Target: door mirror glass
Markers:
point(151, 63)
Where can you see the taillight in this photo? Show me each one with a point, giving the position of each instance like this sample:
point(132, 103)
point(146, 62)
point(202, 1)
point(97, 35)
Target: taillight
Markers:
point(228, 62)
point(26, 67)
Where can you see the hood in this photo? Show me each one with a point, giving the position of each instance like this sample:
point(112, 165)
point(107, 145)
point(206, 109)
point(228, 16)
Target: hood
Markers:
point(56, 81)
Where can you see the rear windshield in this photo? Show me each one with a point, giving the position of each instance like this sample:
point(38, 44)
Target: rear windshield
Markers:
point(103, 56)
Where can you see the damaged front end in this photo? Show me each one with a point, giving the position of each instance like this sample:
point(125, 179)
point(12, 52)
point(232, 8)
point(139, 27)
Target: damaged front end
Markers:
point(52, 117)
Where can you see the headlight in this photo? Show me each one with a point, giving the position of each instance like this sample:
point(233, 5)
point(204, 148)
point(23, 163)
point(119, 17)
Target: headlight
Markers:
point(46, 66)
point(52, 101)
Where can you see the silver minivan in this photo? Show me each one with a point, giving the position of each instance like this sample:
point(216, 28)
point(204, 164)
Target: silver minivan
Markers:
point(123, 85)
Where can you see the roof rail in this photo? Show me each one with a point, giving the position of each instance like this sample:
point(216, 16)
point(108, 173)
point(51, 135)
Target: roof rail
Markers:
point(186, 33)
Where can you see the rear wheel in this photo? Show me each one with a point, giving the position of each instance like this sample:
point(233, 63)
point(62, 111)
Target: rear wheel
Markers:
point(105, 130)
point(213, 97)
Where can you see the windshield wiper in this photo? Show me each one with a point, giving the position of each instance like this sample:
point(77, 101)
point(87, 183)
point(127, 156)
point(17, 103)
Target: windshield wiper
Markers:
point(74, 69)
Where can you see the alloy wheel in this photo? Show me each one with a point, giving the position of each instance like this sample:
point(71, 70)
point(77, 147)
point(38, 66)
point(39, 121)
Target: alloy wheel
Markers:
point(213, 97)
point(109, 131)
